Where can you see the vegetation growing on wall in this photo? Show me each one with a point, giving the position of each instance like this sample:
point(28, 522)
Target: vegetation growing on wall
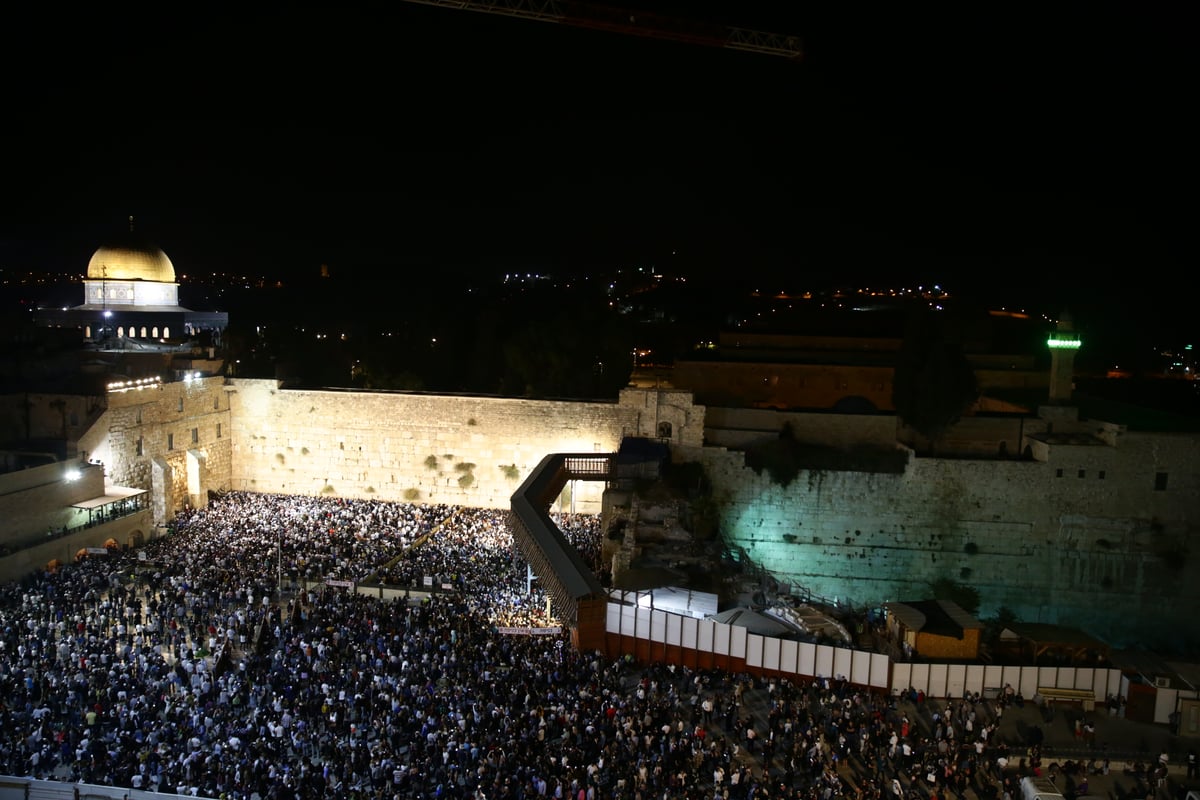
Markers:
point(412, 495)
point(328, 489)
point(933, 384)
point(784, 457)
point(431, 462)
point(466, 480)
point(967, 597)
point(464, 466)
point(279, 457)
point(777, 456)
point(510, 471)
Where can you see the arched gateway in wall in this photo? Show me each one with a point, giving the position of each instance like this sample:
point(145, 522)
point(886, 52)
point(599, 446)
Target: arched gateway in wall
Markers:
point(578, 597)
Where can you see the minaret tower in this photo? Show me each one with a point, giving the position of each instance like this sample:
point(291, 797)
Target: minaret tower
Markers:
point(1063, 343)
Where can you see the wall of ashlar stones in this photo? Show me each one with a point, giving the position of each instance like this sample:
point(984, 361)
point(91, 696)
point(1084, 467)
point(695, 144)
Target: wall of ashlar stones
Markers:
point(1083, 538)
point(1099, 536)
point(155, 437)
point(458, 450)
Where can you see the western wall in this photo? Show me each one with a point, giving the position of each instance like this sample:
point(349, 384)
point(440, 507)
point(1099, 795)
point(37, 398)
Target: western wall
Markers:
point(1093, 535)
point(1080, 540)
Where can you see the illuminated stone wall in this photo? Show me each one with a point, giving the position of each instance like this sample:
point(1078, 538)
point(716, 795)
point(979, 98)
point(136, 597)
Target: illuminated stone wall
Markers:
point(470, 451)
point(155, 437)
point(1082, 538)
point(1080, 535)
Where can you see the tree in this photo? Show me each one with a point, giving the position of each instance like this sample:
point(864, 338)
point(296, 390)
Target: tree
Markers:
point(966, 597)
point(934, 384)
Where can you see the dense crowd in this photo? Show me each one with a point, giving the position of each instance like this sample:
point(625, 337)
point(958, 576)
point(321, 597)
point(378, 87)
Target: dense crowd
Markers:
point(181, 667)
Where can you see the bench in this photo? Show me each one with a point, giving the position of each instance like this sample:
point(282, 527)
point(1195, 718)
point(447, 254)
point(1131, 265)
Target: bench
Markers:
point(1085, 697)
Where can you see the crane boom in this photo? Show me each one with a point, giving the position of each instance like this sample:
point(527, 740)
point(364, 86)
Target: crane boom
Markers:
point(634, 23)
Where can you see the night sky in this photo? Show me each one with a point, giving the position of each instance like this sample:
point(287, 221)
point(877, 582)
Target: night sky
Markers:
point(1044, 153)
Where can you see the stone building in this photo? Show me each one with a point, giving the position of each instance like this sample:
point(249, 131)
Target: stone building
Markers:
point(131, 299)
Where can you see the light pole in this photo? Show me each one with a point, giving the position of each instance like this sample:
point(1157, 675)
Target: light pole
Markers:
point(279, 564)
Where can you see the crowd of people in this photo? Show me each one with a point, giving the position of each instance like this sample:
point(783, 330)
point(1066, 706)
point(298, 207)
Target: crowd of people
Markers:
point(234, 659)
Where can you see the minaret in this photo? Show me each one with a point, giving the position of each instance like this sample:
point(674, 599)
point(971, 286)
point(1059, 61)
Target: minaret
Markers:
point(1063, 343)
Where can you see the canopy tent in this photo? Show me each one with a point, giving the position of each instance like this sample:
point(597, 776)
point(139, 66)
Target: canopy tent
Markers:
point(115, 502)
point(752, 621)
point(1039, 639)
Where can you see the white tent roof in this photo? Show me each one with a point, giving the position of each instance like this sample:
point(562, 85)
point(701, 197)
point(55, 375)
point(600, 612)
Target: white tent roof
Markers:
point(752, 621)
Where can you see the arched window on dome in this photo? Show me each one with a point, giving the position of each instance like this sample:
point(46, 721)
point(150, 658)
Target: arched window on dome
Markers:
point(154, 332)
point(120, 331)
point(166, 332)
point(87, 331)
point(143, 331)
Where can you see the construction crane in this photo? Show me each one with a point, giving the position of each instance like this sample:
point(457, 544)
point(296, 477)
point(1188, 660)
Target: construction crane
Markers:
point(635, 23)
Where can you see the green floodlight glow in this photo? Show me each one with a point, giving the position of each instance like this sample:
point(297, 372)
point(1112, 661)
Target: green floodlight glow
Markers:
point(1061, 342)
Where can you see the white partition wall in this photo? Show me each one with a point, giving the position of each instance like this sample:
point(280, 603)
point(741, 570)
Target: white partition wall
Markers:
point(842, 660)
point(1027, 681)
point(789, 657)
point(993, 678)
point(824, 661)
point(1046, 676)
point(1012, 677)
point(721, 639)
point(675, 629)
point(670, 633)
point(612, 618)
point(737, 641)
point(902, 677)
point(754, 650)
point(643, 616)
point(919, 677)
point(974, 678)
point(807, 664)
point(860, 667)
point(706, 636)
point(770, 653)
point(937, 681)
point(881, 671)
point(956, 680)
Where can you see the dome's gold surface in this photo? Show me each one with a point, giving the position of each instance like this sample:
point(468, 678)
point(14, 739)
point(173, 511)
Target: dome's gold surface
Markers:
point(131, 261)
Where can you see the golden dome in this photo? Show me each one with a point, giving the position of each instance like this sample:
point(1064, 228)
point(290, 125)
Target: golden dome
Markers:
point(131, 260)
